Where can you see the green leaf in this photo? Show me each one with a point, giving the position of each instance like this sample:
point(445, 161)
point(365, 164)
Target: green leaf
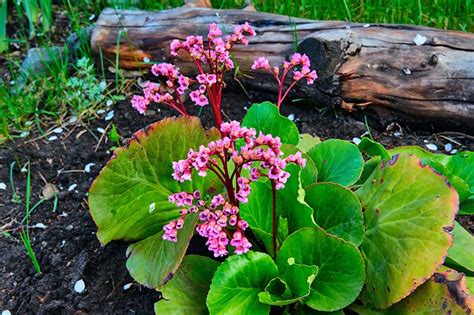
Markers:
point(294, 286)
point(408, 209)
point(341, 269)
point(309, 173)
point(470, 285)
point(467, 207)
point(237, 283)
point(266, 118)
point(153, 261)
point(337, 210)
point(186, 292)
point(444, 293)
point(462, 165)
point(337, 161)
point(461, 251)
point(373, 148)
point(129, 198)
point(307, 142)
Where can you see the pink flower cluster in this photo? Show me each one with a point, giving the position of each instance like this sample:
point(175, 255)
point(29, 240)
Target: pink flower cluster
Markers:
point(212, 59)
point(300, 64)
point(216, 218)
point(176, 85)
point(261, 154)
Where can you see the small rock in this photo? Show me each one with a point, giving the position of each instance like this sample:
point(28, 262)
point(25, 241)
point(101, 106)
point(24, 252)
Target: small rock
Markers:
point(40, 226)
point(419, 40)
point(49, 191)
point(38, 61)
point(72, 187)
point(110, 115)
point(101, 111)
point(88, 167)
point(52, 138)
point(448, 147)
point(101, 130)
point(291, 117)
point(407, 71)
point(73, 119)
point(3, 186)
point(146, 59)
point(58, 130)
point(6, 312)
point(356, 140)
point(79, 286)
point(109, 103)
point(127, 286)
point(366, 25)
point(397, 133)
point(454, 151)
point(23, 134)
point(432, 147)
point(69, 227)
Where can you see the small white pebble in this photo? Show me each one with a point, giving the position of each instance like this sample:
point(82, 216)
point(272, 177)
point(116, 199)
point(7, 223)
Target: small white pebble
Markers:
point(407, 71)
point(448, 147)
point(72, 187)
point(151, 208)
point(23, 134)
point(40, 226)
point(6, 312)
point(29, 123)
point(3, 186)
point(64, 214)
point(356, 140)
point(91, 17)
point(101, 111)
point(366, 25)
point(110, 115)
point(397, 133)
point(79, 286)
point(432, 147)
point(52, 138)
point(291, 117)
point(63, 242)
point(58, 130)
point(127, 286)
point(72, 119)
point(109, 103)
point(101, 130)
point(87, 168)
point(454, 151)
point(146, 59)
point(419, 40)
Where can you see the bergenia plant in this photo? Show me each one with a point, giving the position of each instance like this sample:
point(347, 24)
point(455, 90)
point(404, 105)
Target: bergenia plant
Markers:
point(293, 225)
point(212, 60)
point(300, 67)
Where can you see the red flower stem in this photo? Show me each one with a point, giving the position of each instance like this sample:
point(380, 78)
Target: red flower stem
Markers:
point(274, 215)
point(286, 93)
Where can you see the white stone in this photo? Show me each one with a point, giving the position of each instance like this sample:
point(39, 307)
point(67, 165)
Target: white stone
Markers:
point(454, 151)
point(356, 140)
point(419, 40)
point(52, 138)
point(291, 117)
point(79, 286)
point(432, 147)
point(110, 115)
point(6, 312)
point(72, 187)
point(40, 226)
point(88, 167)
point(127, 286)
point(448, 147)
point(58, 130)
point(3, 186)
point(100, 129)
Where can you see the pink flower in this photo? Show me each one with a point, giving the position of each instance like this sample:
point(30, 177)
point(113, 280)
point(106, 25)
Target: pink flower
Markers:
point(261, 63)
point(207, 79)
point(214, 31)
point(198, 96)
point(139, 103)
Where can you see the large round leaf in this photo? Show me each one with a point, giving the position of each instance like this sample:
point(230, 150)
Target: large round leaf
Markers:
point(237, 283)
point(408, 210)
point(266, 118)
point(186, 292)
point(341, 269)
point(337, 161)
point(153, 261)
point(337, 210)
point(129, 199)
point(444, 293)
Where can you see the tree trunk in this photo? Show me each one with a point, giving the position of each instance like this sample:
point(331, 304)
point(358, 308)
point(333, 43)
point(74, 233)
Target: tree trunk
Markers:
point(378, 69)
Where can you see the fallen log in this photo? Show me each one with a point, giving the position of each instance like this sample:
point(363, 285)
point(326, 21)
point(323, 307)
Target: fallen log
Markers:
point(411, 74)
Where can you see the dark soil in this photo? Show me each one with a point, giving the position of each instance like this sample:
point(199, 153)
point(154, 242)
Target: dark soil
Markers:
point(67, 248)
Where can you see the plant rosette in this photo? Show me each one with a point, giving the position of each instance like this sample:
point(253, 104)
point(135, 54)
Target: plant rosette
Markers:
point(293, 225)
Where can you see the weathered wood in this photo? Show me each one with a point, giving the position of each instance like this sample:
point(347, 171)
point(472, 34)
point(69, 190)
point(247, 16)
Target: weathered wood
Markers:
point(377, 68)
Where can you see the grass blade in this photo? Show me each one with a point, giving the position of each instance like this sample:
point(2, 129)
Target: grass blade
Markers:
point(3, 26)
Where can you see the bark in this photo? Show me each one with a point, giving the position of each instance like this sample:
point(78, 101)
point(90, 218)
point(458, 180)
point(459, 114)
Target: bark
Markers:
point(376, 69)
